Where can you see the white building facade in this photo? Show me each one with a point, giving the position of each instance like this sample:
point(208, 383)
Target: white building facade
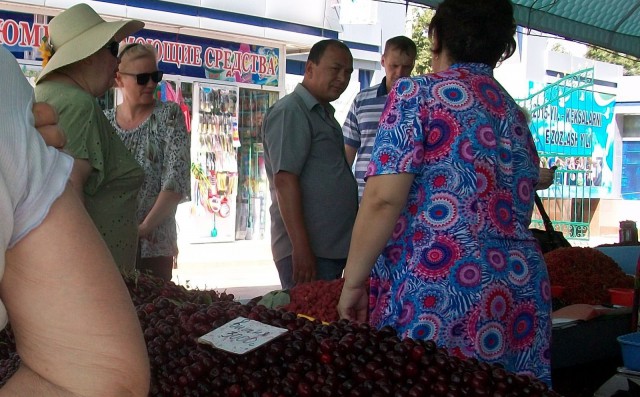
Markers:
point(589, 127)
point(225, 63)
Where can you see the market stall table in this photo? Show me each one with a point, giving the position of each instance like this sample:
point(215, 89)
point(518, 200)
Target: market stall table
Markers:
point(581, 342)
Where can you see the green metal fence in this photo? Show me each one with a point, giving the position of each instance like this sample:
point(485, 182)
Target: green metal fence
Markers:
point(569, 200)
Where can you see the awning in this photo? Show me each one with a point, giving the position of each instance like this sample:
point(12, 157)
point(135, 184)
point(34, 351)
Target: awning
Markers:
point(612, 24)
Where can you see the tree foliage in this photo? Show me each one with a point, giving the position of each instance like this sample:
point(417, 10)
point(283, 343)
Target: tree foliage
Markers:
point(557, 47)
point(421, 17)
point(630, 64)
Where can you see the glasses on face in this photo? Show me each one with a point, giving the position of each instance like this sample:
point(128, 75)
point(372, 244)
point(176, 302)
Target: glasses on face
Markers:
point(113, 48)
point(143, 78)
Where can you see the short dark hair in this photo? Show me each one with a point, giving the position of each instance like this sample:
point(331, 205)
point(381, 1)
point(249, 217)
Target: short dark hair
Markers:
point(475, 30)
point(402, 44)
point(318, 49)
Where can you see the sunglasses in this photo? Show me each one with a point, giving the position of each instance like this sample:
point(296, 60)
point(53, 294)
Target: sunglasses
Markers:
point(113, 48)
point(143, 78)
point(126, 48)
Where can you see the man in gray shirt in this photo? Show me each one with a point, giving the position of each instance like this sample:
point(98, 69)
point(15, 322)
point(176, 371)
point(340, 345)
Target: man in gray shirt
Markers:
point(313, 192)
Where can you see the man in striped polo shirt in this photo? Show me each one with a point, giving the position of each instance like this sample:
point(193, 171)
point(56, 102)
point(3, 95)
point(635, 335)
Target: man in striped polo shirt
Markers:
point(361, 125)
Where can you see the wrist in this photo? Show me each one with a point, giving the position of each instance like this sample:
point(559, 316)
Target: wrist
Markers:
point(143, 229)
point(301, 247)
point(353, 283)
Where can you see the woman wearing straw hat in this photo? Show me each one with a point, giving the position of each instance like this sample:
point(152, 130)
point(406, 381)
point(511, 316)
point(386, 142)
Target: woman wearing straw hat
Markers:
point(82, 65)
point(156, 134)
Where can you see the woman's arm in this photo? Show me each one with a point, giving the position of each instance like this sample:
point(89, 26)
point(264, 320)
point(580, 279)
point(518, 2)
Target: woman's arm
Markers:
point(79, 176)
point(75, 326)
point(384, 198)
point(164, 207)
point(176, 170)
point(46, 122)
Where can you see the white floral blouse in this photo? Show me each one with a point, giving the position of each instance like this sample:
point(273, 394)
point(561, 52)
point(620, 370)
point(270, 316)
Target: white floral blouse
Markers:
point(161, 146)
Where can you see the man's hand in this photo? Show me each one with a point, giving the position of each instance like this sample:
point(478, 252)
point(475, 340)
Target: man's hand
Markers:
point(304, 265)
point(290, 203)
point(46, 122)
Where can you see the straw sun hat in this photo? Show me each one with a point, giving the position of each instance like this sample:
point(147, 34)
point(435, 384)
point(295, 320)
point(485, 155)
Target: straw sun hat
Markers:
point(79, 32)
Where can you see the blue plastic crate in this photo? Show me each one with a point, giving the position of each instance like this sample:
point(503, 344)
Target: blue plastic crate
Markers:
point(625, 256)
point(630, 344)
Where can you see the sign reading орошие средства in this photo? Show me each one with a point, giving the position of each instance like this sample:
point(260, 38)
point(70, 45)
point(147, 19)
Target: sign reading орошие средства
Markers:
point(177, 53)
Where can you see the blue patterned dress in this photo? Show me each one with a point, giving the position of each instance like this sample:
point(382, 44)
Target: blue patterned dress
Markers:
point(461, 267)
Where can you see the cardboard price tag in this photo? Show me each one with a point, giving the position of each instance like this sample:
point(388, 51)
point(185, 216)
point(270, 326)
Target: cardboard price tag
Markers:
point(241, 335)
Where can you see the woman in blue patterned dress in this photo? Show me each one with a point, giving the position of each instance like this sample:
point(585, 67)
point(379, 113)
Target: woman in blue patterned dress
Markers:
point(442, 231)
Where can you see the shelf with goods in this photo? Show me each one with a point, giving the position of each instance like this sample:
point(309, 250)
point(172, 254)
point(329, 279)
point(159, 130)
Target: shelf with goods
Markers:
point(253, 195)
point(214, 144)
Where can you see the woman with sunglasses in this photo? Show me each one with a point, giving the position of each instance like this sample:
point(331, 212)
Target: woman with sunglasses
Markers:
point(155, 133)
point(79, 64)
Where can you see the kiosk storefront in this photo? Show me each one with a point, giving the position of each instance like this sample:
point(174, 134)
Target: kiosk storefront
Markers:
point(224, 88)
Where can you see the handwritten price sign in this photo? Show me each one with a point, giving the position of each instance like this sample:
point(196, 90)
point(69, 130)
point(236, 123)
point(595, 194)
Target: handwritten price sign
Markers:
point(241, 335)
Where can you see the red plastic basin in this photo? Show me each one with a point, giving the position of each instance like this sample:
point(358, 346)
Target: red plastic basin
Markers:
point(621, 296)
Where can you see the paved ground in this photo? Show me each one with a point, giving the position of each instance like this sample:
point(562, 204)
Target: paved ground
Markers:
point(244, 267)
